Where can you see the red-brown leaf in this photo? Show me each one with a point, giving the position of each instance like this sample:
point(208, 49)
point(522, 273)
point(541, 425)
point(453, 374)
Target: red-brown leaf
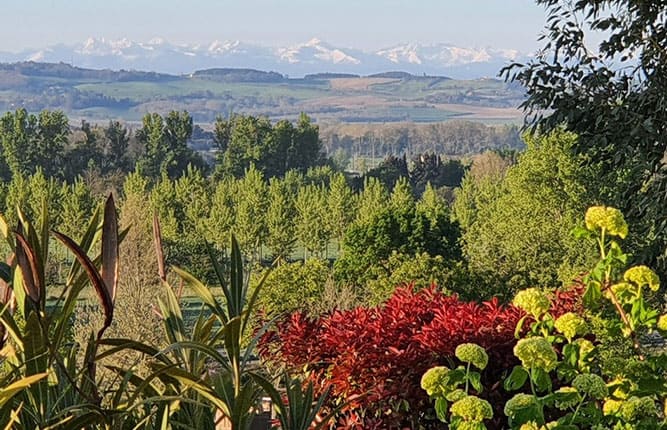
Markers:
point(110, 248)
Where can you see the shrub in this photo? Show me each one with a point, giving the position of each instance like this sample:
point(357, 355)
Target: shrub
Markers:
point(376, 356)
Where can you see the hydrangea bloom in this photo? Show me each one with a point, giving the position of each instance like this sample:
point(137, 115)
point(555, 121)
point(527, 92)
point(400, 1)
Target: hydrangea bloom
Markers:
point(533, 301)
point(536, 352)
point(530, 425)
point(435, 381)
point(642, 275)
point(592, 385)
point(471, 425)
point(518, 403)
point(662, 322)
point(473, 354)
point(570, 325)
point(568, 398)
point(611, 406)
point(455, 395)
point(472, 408)
point(607, 218)
point(638, 407)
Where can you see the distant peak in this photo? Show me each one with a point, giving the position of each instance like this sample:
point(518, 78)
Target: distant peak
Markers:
point(314, 42)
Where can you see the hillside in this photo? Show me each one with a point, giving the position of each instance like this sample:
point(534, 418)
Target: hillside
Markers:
point(386, 97)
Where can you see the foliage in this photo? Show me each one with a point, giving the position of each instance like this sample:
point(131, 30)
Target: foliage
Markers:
point(375, 357)
point(401, 227)
point(165, 144)
point(292, 287)
point(602, 74)
point(273, 148)
point(517, 227)
point(48, 382)
point(570, 386)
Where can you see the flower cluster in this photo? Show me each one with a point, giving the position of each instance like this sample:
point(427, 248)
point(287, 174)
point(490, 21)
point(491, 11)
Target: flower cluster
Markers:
point(472, 408)
point(435, 381)
point(570, 325)
point(519, 403)
point(533, 301)
point(608, 219)
point(662, 323)
point(473, 354)
point(592, 385)
point(642, 275)
point(635, 408)
point(537, 353)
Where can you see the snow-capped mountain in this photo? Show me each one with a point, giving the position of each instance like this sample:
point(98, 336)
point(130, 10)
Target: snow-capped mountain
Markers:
point(313, 56)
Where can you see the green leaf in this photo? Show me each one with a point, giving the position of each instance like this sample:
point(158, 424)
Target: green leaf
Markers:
point(516, 379)
point(476, 381)
point(6, 393)
point(441, 409)
point(541, 379)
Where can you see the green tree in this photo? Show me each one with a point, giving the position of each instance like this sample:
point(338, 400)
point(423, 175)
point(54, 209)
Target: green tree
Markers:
point(251, 204)
point(280, 216)
point(165, 144)
point(292, 287)
point(115, 146)
point(342, 208)
point(30, 142)
point(522, 235)
point(76, 208)
point(372, 200)
point(222, 215)
point(311, 229)
point(603, 74)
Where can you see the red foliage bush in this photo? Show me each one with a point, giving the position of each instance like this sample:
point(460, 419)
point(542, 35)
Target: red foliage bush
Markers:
point(377, 356)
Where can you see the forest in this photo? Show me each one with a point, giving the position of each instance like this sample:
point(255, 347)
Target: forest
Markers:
point(495, 282)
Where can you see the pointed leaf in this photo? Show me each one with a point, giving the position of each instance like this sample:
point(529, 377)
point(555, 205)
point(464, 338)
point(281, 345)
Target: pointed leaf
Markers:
point(95, 279)
point(110, 248)
point(159, 249)
point(26, 260)
point(11, 390)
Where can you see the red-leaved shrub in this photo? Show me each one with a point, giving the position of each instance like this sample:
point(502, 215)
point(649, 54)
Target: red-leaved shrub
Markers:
point(375, 357)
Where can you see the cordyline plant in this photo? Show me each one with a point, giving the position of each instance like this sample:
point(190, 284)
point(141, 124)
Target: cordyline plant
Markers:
point(49, 382)
point(207, 376)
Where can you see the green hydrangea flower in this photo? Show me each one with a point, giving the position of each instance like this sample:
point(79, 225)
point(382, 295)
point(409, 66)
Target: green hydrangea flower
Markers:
point(568, 398)
point(455, 395)
point(470, 425)
point(473, 354)
point(611, 406)
point(607, 218)
point(533, 301)
point(570, 325)
point(472, 408)
point(592, 385)
point(518, 403)
point(642, 275)
point(662, 323)
point(636, 408)
point(537, 353)
point(436, 381)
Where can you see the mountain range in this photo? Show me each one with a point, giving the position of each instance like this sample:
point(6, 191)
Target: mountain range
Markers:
point(300, 59)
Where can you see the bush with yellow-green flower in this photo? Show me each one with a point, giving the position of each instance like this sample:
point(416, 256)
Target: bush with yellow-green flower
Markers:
point(473, 354)
point(607, 219)
point(536, 353)
point(533, 301)
point(570, 325)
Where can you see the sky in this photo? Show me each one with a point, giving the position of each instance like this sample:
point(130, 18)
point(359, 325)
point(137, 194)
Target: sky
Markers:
point(362, 24)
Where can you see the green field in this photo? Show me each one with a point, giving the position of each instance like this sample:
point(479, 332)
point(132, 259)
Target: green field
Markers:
point(100, 95)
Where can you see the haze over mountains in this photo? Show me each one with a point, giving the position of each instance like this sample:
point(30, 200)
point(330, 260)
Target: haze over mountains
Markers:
point(313, 56)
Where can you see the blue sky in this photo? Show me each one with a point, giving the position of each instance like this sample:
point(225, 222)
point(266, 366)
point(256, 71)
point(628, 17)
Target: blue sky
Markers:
point(365, 24)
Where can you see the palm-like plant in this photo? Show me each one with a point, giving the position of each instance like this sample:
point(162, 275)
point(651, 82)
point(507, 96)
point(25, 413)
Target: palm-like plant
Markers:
point(48, 381)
